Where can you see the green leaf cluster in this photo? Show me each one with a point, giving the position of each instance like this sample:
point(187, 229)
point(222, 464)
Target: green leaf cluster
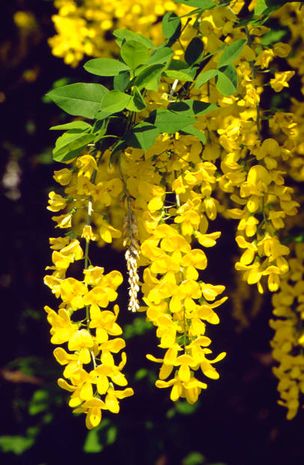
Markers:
point(119, 114)
point(139, 69)
point(263, 8)
point(16, 444)
point(225, 75)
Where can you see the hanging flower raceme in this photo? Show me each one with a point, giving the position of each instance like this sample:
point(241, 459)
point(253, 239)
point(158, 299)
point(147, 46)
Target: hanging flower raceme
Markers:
point(177, 302)
point(254, 179)
point(266, 203)
point(86, 321)
point(179, 305)
point(288, 340)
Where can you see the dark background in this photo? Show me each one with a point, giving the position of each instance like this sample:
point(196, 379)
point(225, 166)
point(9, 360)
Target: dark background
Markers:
point(236, 422)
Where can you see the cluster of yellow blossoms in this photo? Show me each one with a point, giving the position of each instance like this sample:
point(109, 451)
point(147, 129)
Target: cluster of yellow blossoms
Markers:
point(86, 319)
point(159, 205)
point(83, 28)
point(288, 340)
point(177, 302)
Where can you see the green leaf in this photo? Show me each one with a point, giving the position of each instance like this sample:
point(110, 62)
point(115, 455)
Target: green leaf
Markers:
point(121, 81)
point(74, 125)
point(161, 55)
point(172, 26)
point(202, 4)
point(139, 326)
point(231, 52)
point(201, 108)
point(105, 66)
point(149, 77)
point(33, 431)
point(194, 50)
point(47, 418)
point(171, 413)
point(298, 238)
point(134, 54)
point(80, 99)
point(68, 144)
point(137, 102)
point(180, 75)
point(194, 458)
point(266, 7)
point(173, 121)
point(193, 107)
point(272, 37)
point(127, 35)
point(113, 102)
point(180, 70)
point(204, 77)
point(143, 135)
point(224, 84)
point(260, 7)
point(231, 74)
point(111, 435)
point(184, 408)
point(16, 444)
point(39, 402)
point(141, 374)
point(92, 443)
point(197, 133)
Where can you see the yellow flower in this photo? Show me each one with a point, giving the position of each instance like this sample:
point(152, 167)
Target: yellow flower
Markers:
point(56, 202)
point(63, 221)
point(258, 179)
point(62, 328)
point(72, 292)
point(67, 255)
point(93, 408)
point(93, 275)
point(207, 240)
point(281, 79)
point(100, 295)
point(281, 49)
point(196, 258)
point(86, 165)
point(63, 177)
point(82, 341)
point(264, 58)
point(108, 232)
point(111, 399)
point(107, 369)
point(166, 331)
point(87, 233)
point(104, 320)
point(210, 292)
point(57, 243)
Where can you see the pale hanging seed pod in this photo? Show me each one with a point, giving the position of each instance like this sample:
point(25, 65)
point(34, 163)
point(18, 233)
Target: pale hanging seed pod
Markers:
point(131, 256)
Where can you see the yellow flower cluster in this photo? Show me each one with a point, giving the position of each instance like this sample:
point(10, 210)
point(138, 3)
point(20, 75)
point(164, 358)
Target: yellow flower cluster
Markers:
point(177, 302)
point(265, 202)
point(84, 28)
point(288, 339)
point(159, 204)
point(86, 320)
point(288, 126)
point(250, 173)
point(179, 305)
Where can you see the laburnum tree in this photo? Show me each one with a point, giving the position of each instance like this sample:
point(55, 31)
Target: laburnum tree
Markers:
point(192, 126)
